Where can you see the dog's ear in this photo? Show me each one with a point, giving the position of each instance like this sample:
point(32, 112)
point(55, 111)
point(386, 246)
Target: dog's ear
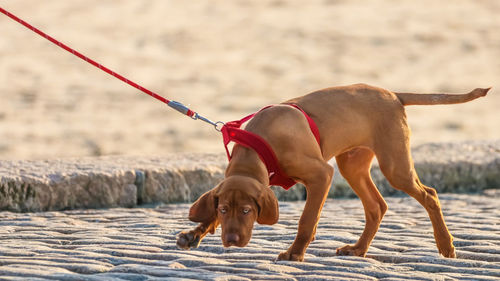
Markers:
point(268, 207)
point(205, 208)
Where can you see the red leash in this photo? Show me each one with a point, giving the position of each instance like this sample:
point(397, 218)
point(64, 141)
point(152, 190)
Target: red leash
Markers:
point(173, 104)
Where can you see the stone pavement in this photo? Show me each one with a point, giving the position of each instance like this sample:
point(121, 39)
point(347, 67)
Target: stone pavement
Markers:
point(126, 181)
point(139, 244)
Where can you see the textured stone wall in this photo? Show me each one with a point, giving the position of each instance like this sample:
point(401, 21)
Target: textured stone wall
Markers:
point(129, 181)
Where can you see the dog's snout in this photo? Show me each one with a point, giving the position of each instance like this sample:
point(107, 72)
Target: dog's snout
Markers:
point(232, 238)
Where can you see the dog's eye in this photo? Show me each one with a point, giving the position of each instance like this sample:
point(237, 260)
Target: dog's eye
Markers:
point(246, 211)
point(222, 210)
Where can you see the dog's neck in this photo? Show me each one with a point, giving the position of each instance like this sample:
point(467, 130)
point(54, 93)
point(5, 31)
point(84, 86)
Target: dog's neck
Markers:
point(246, 162)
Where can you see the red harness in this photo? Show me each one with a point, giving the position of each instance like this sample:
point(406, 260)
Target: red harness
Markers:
point(231, 132)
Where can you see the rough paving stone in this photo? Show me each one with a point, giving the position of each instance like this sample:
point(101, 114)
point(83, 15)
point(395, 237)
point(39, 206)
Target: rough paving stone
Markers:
point(106, 181)
point(139, 244)
point(128, 181)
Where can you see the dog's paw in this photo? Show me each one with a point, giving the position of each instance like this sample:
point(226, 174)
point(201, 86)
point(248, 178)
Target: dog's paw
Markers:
point(448, 253)
point(188, 239)
point(349, 250)
point(286, 256)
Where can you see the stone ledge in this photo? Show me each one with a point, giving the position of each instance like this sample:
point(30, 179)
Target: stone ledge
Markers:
point(106, 181)
point(116, 181)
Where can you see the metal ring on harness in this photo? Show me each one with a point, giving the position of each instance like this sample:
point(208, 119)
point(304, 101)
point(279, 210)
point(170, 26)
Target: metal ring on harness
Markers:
point(218, 125)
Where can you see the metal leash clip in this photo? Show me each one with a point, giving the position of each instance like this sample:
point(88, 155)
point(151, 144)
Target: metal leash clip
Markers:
point(195, 116)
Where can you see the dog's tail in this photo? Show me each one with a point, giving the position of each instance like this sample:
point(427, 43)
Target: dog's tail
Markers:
point(429, 99)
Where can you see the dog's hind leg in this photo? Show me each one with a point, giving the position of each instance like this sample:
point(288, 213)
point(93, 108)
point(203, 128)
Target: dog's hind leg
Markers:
point(355, 166)
point(397, 166)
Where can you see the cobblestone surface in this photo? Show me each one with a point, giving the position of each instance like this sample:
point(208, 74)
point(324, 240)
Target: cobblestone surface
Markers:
point(139, 244)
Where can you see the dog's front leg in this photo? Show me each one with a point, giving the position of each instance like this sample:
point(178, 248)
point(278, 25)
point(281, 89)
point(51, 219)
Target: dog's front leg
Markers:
point(192, 238)
point(317, 191)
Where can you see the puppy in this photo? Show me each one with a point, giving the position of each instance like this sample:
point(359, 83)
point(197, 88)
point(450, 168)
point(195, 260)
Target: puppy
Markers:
point(355, 124)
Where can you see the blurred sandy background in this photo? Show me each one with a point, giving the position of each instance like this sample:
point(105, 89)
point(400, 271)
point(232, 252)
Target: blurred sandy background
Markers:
point(227, 59)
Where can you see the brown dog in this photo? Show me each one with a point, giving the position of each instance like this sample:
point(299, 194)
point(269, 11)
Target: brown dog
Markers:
point(356, 123)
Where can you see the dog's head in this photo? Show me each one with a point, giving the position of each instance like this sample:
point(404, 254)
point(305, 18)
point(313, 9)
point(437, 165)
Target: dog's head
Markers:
point(237, 202)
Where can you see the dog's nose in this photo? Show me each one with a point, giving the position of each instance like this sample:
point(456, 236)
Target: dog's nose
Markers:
point(232, 238)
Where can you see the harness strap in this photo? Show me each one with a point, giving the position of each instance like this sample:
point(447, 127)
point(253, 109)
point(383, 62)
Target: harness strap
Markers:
point(231, 132)
point(312, 124)
point(252, 141)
